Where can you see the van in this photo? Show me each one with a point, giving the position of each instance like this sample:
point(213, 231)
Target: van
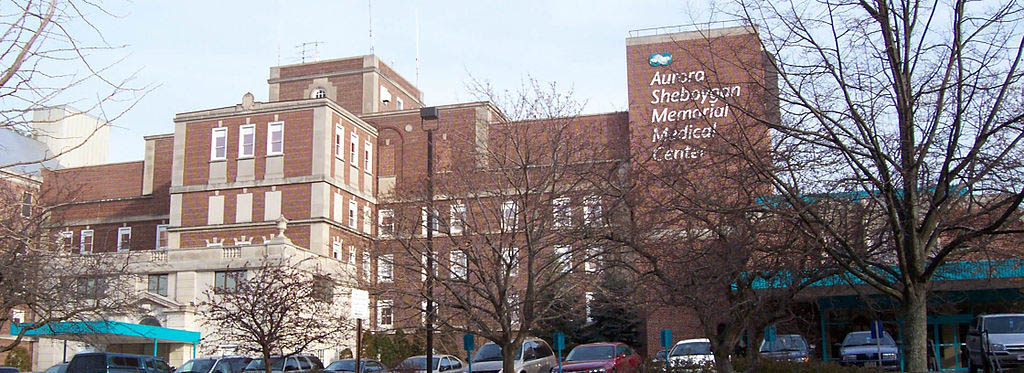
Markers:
point(109, 362)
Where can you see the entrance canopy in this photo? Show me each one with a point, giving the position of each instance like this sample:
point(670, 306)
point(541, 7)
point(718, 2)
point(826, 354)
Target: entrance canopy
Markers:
point(109, 332)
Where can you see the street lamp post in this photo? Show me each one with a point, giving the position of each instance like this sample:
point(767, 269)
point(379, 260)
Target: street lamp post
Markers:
point(430, 115)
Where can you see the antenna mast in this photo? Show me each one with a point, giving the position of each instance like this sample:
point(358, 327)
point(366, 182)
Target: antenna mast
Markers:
point(369, 7)
point(307, 48)
point(417, 47)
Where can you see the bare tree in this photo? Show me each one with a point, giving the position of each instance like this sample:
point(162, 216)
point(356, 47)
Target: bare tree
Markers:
point(276, 307)
point(505, 246)
point(44, 277)
point(905, 113)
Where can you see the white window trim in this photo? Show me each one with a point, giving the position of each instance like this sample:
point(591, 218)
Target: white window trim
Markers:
point(459, 264)
point(353, 141)
point(563, 256)
point(367, 157)
point(120, 232)
point(457, 220)
point(510, 257)
point(590, 266)
point(434, 224)
point(353, 209)
point(561, 212)
point(399, 104)
point(386, 233)
point(381, 304)
point(270, 136)
point(367, 218)
point(214, 134)
point(66, 236)
point(509, 210)
point(386, 268)
point(241, 141)
point(81, 245)
point(352, 256)
point(158, 228)
point(366, 266)
point(339, 142)
point(592, 210)
point(589, 298)
point(336, 250)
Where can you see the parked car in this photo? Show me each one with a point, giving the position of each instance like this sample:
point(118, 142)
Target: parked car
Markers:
point(689, 352)
point(609, 357)
point(9, 370)
point(441, 364)
point(995, 341)
point(292, 364)
point(786, 347)
point(57, 368)
point(860, 349)
point(534, 356)
point(110, 362)
point(349, 365)
point(222, 364)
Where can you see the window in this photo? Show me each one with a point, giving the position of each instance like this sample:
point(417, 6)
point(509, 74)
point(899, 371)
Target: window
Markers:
point(26, 204)
point(592, 210)
point(385, 315)
point(124, 238)
point(561, 212)
point(219, 144)
point(275, 138)
point(86, 244)
point(64, 239)
point(247, 141)
point(92, 287)
point(592, 257)
point(322, 289)
point(424, 219)
point(509, 215)
point(459, 265)
point(366, 266)
point(227, 280)
point(589, 300)
point(457, 222)
point(385, 268)
point(399, 104)
point(352, 214)
point(386, 223)
point(352, 255)
point(318, 93)
point(158, 284)
point(510, 259)
point(563, 256)
point(17, 316)
point(353, 139)
point(367, 215)
point(336, 250)
point(161, 236)
point(339, 141)
point(367, 156)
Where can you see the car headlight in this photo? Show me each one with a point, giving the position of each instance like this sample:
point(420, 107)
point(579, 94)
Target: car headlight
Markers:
point(997, 347)
point(889, 356)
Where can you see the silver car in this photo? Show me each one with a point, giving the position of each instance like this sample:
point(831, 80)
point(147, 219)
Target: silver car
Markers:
point(441, 364)
point(534, 356)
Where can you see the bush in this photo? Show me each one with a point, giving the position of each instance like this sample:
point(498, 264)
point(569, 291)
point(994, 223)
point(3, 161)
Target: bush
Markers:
point(18, 358)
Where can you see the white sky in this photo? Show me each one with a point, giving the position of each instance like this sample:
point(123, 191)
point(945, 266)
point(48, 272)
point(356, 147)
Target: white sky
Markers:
point(207, 54)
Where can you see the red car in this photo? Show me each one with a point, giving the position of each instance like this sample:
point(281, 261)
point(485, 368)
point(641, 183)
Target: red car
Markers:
point(604, 357)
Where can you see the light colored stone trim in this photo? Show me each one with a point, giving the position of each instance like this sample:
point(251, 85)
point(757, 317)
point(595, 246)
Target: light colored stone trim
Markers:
point(271, 205)
point(243, 207)
point(270, 107)
point(275, 88)
point(147, 168)
point(178, 163)
point(215, 210)
point(319, 76)
point(336, 182)
point(322, 140)
point(371, 92)
point(119, 219)
point(691, 35)
point(319, 239)
point(175, 218)
point(319, 200)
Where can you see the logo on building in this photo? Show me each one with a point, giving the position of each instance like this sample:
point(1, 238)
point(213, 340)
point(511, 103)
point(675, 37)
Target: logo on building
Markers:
point(660, 59)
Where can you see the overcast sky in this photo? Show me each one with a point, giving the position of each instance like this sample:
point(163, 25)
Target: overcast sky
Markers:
point(207, 54)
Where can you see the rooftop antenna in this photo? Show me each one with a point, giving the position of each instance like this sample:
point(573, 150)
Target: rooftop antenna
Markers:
point(310, 50)
point(417, 47)
point(369, 7)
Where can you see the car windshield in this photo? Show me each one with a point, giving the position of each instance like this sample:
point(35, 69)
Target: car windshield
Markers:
point(492, 352)
point(784, 343)
point(417, 363)
point(349, 365)
point(196, 366)
point(585, 353)
point(692, 348)
point(864, 339)
point(1004, 324)
point(259, 365)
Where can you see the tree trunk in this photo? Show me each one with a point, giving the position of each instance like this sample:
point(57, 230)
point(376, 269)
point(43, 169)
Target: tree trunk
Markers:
point(508, 354)
point(266, 361)
point(722, 362)
point(915, 328)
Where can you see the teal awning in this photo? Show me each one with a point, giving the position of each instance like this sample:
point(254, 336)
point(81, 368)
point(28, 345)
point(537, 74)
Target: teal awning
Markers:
point(114, 331)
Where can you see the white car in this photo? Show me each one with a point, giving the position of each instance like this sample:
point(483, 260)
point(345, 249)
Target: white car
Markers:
point(691, 352)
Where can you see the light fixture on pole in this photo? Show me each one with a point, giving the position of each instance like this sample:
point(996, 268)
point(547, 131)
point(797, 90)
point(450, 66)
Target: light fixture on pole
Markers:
point(430, 115)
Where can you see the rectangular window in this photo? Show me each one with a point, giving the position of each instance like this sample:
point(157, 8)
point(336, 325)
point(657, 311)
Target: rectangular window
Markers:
point(353, 141)
point(367, 157)
point(247, 141)
point(275, 138)
point(227, 280)
point(161, 236)
point(385, 268)
point(367, 218)
point(219, 144)
point(352, 256)
point(92, 287)
point(592, 210)
point(386, 223)
point(124, 238)
point(399, 104)
point(425, 221)
point(510, 259)
point(366, 266)
point(561, 212)
point(339, 141)
point(17, 316)
point(563, 256)
point(459, 264)
point(457, 223)
point(336, 250)
point(65, 240)
point(592, 257)
point(509, 215)
point(589, 299)
point(86, 244)
point(352, 206)
point(26, 204)
point(158, 284)
point(385, 314)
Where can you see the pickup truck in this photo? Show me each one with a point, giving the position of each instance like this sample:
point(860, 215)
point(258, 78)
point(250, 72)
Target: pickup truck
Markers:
point(995, 342)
